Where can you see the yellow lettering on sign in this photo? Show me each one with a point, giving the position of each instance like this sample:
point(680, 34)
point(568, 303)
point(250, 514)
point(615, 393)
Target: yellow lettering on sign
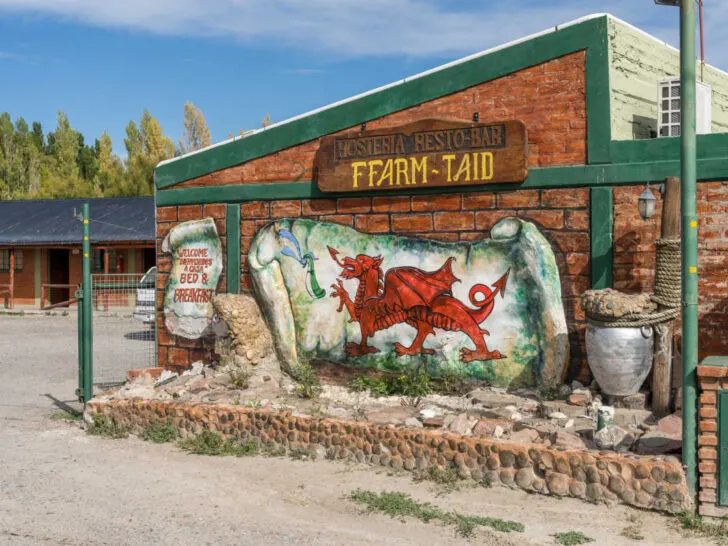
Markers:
point(372, 172)
point(401, 166)
point(486, 171)
point(386, 173)
point(449, 158)
point(421, 167)
point(355, 166)
point(463, 169)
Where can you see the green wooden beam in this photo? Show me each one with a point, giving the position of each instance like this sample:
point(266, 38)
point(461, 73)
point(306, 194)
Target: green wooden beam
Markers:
point(598, 107)
point(601, 233)
point(667, 148)
point(232, 234)
point(589, 35)
point(544, 178)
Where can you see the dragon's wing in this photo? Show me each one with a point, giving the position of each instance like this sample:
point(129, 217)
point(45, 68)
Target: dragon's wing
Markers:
point(409, 287)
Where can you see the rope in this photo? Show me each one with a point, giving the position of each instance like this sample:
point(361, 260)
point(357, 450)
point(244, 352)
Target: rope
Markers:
point(667, 273)
point(668, 291)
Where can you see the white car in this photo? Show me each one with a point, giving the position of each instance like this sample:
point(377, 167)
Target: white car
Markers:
point(145, 309)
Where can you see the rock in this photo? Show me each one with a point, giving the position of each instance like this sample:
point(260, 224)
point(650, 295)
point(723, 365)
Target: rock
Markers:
point(306, 327)
point(493, 398)
point(558, 483)
point(414, 423)
point(525, 477)
point(396, 415)
point(564, 391)
point(525, 436)
point(530, 406)
point(498, 432)
point(635, 401)
point(196, 369)
point(461, 424)
point(560, 406)
point(655, 442)
point(428, 413)
point(614, 437)
point(434, 422)
point(569, 423)
point(672, 425)
point(575, 385)
point(487, 427)
point(580, 397)
point(567, 440)
point(165, 377)
point(557, 415)
point(631, 417)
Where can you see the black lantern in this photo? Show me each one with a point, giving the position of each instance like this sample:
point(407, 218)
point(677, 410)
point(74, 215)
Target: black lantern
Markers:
point(646, 203)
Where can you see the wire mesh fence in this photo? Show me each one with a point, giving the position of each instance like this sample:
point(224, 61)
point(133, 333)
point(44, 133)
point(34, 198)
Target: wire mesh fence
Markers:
point(123, 325)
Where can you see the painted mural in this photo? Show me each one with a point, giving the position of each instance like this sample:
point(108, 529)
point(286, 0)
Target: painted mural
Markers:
point(196, 268)
point(491, 310)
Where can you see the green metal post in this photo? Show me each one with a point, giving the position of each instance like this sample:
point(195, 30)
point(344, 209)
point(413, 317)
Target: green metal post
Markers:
point(87, 323)
point(81, 358)
point(689, 239)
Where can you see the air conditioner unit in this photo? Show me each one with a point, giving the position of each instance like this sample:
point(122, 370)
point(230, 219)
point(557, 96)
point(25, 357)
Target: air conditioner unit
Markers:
point(669, 103)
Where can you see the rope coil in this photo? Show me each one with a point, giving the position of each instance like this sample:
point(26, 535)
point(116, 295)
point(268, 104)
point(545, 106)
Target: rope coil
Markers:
point(667, 292)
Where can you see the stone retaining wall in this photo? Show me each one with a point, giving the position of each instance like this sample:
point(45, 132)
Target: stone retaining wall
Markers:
point(646, 482)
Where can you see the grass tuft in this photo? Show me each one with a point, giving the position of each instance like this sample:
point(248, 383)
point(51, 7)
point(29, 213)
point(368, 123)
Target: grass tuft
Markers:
point(398, 505)
point(101, 426)
point(698, 526)
point(572, 538)
point(446, 478)
point(212, 443)
point(66, 415)
point(160, 432)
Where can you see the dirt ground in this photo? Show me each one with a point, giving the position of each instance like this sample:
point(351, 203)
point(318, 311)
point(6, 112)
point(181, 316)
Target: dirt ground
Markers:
point(60, 486)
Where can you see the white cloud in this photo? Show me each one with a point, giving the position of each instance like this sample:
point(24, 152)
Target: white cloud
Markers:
point(340, 28)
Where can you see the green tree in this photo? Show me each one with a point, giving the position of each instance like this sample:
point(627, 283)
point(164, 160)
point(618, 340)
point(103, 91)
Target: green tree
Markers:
point(196, 132)
point(37, 137)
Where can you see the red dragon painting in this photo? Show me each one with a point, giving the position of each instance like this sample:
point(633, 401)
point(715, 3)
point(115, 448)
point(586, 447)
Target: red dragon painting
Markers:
point(422, 299)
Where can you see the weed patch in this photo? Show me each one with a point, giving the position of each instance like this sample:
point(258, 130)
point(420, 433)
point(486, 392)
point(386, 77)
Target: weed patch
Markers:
point(67, 415)
point(696, 525)
point(376, 386)
point(240, 378)
point(572, 538)
point(212, 443)
point(160, 432)
point(101, 426)
point(446, 479)
point(399, 505)
point(309, 385)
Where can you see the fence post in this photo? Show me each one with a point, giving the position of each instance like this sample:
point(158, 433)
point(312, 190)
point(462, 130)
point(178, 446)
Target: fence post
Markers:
point(87, 308)
point(81, 359)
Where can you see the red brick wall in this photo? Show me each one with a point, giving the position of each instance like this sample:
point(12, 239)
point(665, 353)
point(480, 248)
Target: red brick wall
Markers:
point(710, 379)
point(549, 98)
point(24, 280)
point(634, 257)
point(172, 351)
point(562, 216)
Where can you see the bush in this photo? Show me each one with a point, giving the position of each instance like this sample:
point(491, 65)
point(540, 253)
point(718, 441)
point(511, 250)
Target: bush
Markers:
point(102, 426)
point(376, 386)
point(160, 432)
point(309, 386)
point(212, 443)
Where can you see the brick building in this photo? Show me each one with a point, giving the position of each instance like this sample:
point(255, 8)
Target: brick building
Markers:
point(42, 239)
point(587, 93)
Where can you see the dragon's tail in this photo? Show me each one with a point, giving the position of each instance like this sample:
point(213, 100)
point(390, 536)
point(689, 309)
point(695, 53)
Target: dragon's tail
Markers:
point(486, 301)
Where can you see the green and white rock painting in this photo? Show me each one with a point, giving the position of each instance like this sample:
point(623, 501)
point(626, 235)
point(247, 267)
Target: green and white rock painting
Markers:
point(491, 309)
point(196, 268)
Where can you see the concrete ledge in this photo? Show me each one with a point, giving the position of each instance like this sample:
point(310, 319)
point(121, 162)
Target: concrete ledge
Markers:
point(647, 482)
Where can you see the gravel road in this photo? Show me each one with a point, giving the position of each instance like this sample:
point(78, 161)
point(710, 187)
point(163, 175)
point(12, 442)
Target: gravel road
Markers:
point(60, 486)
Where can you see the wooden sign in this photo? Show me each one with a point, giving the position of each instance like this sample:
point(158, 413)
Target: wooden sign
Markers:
point(423, 154)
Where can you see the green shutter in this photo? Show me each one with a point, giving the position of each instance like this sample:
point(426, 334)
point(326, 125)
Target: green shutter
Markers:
point(723, 448)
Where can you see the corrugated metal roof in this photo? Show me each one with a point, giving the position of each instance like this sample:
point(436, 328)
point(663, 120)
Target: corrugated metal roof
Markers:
point(52, 222)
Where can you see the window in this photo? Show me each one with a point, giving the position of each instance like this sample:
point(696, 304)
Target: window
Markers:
point(5, 260)
point(97, 260)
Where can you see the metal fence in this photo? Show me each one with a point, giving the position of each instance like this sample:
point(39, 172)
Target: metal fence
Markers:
point(122, 326)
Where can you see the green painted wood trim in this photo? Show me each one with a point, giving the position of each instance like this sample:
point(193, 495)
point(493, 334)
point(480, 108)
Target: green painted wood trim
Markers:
point(598, 104)
point(601, 233)
point(550, 177)
point(588, 35)
point(664, 149)
point(717, 361)
point(722, 448)
point(232, 234)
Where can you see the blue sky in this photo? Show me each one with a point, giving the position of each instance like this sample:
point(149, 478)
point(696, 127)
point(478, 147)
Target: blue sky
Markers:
point(104, 61)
